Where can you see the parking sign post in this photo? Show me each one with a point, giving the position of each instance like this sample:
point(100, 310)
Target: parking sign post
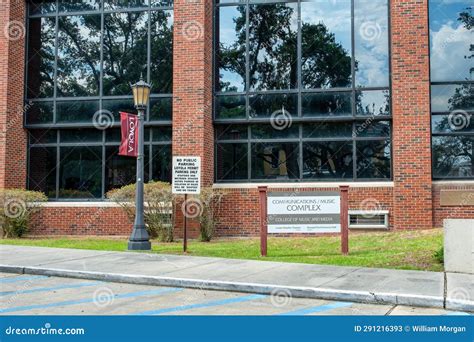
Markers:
point(186, 180)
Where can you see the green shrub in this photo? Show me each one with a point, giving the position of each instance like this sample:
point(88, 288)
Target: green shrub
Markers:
point(158, 214)
point(439, 255)
point(210, 204)
point(16, 208)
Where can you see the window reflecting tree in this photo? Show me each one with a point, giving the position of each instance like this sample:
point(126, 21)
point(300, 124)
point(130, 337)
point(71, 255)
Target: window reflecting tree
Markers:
point(79, 55)
point(273, 51)
point(453, 154)
point(125, 50)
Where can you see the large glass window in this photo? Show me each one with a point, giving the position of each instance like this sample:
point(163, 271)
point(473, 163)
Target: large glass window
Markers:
point(93, 50)
point(82, 57)
point(84, 163)
point(452, 88)
point(302, 90)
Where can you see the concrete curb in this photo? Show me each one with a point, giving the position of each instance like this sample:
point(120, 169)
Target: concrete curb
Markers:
point(268, 289)
point(459, 305)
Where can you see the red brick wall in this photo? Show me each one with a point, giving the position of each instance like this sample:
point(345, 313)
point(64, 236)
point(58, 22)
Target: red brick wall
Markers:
point(193, 131)
point(81, 221)
point(411, 156)
point(12, 56)
point(240, 208)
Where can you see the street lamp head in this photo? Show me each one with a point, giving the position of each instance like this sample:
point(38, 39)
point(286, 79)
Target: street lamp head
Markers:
point(141, 93)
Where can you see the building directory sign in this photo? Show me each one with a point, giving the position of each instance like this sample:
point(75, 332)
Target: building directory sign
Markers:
point(304, 212)
point(186, 175)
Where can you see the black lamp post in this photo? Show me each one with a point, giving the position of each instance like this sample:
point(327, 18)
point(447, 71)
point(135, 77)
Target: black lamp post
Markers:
point(140, 240)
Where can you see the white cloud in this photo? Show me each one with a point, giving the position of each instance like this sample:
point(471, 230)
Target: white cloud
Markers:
point(449, 46)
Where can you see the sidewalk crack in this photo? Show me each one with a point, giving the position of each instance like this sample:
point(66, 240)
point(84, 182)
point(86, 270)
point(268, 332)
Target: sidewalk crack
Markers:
point(390, 310)
point(445, 292)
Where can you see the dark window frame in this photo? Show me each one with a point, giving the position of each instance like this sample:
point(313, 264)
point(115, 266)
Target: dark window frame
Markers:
point(55, 98)
point(299, 91)
point(450, 133)
point(57, 127)
point(103, 143)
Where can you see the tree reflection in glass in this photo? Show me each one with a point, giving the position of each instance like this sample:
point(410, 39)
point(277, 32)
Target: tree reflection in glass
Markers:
point(78, 67)
point(452, 103)
point(125, 50)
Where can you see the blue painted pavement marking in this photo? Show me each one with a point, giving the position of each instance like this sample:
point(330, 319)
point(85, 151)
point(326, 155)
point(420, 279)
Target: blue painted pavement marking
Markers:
point(45, 289)
point(458, 313)
point(319, 308)
point(202, 305)
point(90, 300)
point(8, 280)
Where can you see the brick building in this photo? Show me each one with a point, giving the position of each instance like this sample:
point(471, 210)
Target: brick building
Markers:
point(297, 95)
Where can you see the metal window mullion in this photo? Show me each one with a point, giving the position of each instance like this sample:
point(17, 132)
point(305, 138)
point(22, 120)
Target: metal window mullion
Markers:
point(249, 153)
point(275, 140)
point(353, 92)
point(25, 66)
point(299, 54)
point(103, 165)
point(150, 155)
point(319, 140)
point(354, 155)
point(55, 72)
point(101, 81)
point(58, 163)
point(247, 61)
point(103, 171)
point(300, 146)
point(299, 86)
point(148, 56)
point(247, 88)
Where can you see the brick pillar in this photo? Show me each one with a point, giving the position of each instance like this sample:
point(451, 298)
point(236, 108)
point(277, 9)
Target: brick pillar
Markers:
point(12, 57)
point(412, 204)
point(192, 87)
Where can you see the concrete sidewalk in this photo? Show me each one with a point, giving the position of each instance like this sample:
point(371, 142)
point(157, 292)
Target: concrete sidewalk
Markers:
point(366, 285)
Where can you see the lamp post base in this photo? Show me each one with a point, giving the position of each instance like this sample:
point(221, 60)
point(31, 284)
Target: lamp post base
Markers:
point(139, 240)
point(139, 245)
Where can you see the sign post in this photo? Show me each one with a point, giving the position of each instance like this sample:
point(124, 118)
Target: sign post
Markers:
point(262, 190)
point(344, 189)
point(186, 180)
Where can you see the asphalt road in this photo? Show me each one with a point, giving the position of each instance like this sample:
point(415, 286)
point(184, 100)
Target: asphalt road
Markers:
point(40, 295)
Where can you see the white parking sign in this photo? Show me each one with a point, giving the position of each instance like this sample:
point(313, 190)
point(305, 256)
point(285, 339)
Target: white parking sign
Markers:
point(186, 175)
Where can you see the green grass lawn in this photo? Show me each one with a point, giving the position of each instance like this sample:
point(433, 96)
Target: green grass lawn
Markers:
point(412, 250)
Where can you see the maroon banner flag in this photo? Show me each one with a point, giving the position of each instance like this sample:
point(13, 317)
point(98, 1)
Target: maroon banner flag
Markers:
point(129, 143)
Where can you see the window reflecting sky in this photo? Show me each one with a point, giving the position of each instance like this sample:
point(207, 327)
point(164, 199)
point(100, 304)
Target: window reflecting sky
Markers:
point(451, 39)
